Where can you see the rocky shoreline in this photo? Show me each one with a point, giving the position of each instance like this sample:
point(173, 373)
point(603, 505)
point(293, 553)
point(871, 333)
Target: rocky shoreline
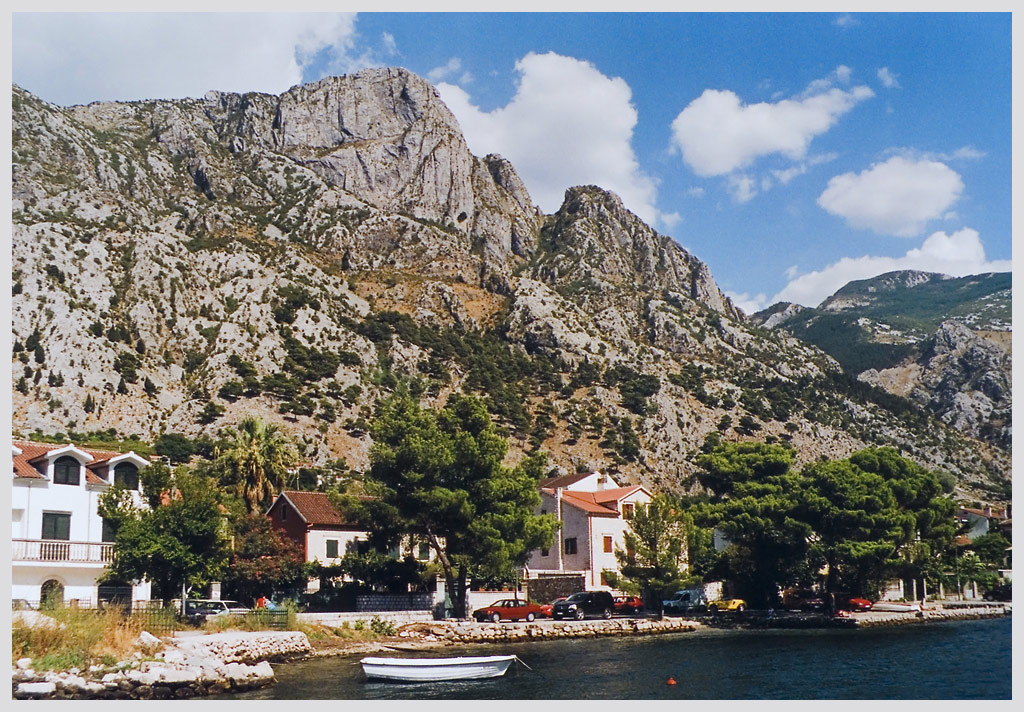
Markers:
point(172, 668)
point(203, 665)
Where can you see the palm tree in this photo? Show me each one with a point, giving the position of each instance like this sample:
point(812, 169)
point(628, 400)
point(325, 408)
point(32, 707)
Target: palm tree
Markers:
point(256, 462)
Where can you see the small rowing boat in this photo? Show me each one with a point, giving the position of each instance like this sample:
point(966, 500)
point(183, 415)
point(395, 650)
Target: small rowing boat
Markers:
point(896, 607)
point(436, 669)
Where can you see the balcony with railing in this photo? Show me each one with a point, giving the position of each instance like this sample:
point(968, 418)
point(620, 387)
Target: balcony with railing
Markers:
point(55, 551)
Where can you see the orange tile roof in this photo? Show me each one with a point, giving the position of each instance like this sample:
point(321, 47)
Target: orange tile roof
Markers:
point(992, 513)
point(615, 494)
point(32, 451)
point(564, 480)
point(316, 508)
point(586, 502)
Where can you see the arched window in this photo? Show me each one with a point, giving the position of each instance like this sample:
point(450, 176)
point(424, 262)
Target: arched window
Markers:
point(51, 594)
point(66, 471)
point(126, 474)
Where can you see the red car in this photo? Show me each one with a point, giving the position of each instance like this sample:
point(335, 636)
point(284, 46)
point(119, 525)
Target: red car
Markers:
point(845, 603)
point(510, 609)
point(802, 599)
point(628, 604)
point(548, 608)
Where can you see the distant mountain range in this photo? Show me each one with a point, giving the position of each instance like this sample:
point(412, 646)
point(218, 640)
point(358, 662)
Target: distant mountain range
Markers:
point(941, 341)
point(181, 264)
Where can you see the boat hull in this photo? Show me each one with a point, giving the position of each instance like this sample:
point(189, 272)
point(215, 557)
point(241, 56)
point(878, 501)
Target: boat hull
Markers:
point(888, 607)
point(436, 669)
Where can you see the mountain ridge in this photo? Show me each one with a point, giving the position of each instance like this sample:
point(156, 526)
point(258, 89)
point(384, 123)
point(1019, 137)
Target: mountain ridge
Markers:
point(183, 263)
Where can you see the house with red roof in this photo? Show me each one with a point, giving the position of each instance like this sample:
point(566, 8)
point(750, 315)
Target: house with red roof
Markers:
point(322, 532)
point(60, 544)
point(594, 512)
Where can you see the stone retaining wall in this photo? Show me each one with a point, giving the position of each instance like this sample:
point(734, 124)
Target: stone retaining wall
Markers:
point(471, 632)
point(180, 668)
point(931, 615)
point(337, 619)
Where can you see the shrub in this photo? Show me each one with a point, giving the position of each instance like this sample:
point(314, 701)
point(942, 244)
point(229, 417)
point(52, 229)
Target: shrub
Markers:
point(176, 446)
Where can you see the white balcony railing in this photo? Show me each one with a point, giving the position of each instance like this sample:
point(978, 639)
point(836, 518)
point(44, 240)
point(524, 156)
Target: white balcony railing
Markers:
point(77, 552)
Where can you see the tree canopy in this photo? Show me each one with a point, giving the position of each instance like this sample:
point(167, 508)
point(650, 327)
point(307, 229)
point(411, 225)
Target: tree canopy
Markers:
point(440, 475)
point(655, 554)
point(873, 515)
point(180, 542)
point(255, 462)
point(262, 561)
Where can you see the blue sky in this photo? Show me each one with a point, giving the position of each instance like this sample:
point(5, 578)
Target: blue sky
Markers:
point(792, 152)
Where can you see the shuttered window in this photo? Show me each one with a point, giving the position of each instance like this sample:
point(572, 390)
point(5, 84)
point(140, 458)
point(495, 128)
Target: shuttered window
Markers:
point(66, 471)
point(56, 526)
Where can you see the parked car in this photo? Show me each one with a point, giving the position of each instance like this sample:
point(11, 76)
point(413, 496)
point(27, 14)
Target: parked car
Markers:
point(847, 602)
point(689, 600)
point(510, 609)
point(199, 610)
point(548, 608)
point(737, 605)
point(584, 603)
point(628, 605)
point(802, 599)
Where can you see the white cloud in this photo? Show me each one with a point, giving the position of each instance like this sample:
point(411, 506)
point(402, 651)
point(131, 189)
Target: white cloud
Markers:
point(957, 255)
point(717, 134)
point(670, 220)
point(443, 72)
point(749, 304)
point(888, 79)
point(897, 197)
point(964, 153)
point(741, 188)
point(846, 20)
point(967, 153)
point(83, 57)
point(567, 125)
point(696, 192)
point(787, 174)
point(387, 41)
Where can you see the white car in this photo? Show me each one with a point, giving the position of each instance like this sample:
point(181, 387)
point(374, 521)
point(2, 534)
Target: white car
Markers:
point(200, 610)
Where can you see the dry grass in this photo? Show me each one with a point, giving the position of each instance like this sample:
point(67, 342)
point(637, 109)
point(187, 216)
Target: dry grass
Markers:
point(324, 636)
point(76, 638)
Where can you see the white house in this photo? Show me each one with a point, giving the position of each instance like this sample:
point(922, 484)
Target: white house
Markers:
point(60, 544)
point(594, 513)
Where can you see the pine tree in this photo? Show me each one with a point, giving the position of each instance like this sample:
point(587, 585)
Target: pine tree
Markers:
point(90, 403)
point(149, 387)
point(122, 388)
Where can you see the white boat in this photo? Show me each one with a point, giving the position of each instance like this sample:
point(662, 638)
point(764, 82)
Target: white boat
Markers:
point(436, 669)
point(896, 607)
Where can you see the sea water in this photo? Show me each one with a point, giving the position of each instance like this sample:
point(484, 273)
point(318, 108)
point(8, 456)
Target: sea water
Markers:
point(953, 660)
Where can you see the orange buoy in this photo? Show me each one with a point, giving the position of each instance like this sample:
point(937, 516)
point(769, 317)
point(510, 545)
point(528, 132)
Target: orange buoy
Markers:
point(670, 681)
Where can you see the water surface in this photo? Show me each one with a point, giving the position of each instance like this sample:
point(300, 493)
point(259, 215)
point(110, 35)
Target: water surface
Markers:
point(956, 660)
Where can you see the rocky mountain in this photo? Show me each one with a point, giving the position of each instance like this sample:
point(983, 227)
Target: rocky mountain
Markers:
point(180, 264)
point(942, 342)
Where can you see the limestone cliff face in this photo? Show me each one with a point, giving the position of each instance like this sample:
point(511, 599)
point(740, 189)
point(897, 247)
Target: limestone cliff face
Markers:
point(180, 264)
point(597, 249)
point(962, 377)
